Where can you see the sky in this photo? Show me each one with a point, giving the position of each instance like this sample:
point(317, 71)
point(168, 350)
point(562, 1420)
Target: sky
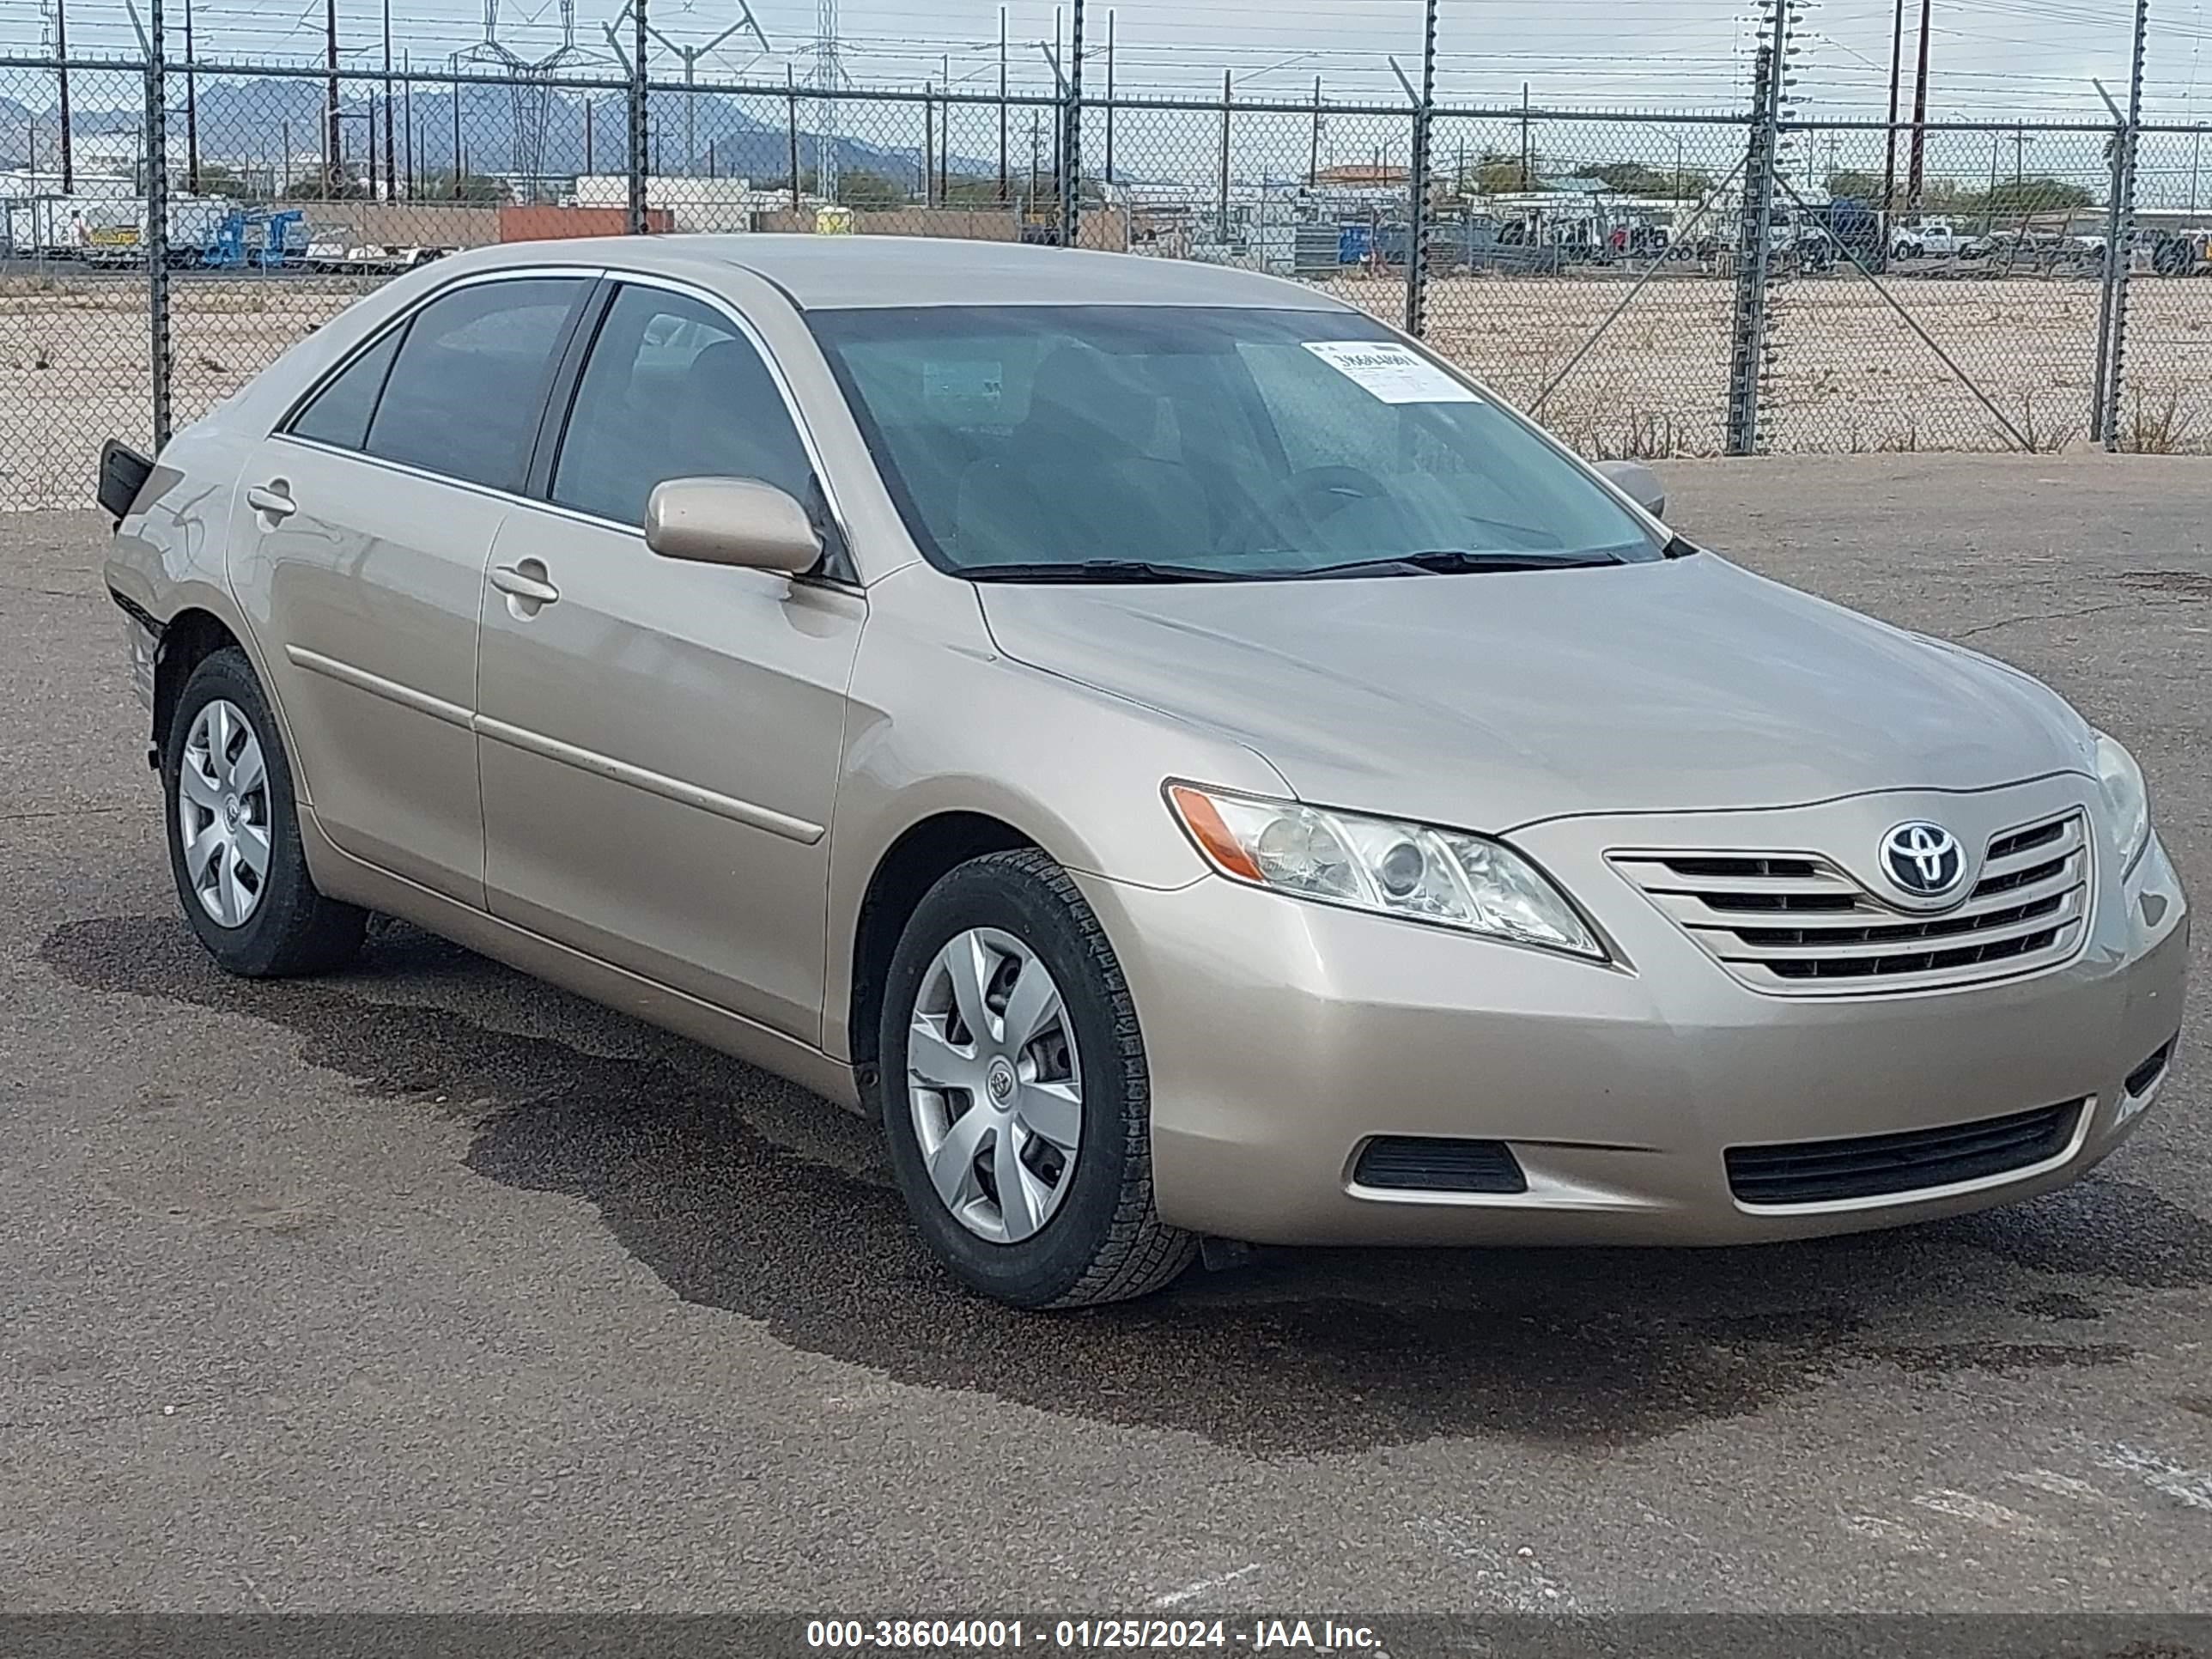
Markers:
point(1989, 59)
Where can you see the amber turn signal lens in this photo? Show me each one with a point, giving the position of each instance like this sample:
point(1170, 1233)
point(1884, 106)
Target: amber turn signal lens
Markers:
point(1204, 822)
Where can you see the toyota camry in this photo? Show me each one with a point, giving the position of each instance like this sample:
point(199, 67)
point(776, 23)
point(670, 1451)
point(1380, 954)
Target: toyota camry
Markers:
point(1190, 763)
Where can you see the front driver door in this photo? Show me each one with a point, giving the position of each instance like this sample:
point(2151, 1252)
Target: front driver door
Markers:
point(659, 742)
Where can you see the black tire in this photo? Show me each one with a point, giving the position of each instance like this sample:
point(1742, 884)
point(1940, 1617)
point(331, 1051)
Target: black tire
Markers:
point(1105, 1242)
point(291, 928)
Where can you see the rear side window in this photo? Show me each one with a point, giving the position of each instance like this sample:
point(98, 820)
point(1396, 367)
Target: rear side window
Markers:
point(464, 391)
point(340, 413)
point(672, 389)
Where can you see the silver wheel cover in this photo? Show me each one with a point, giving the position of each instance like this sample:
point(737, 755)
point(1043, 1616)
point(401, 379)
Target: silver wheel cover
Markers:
point(223, 813)
point(994, 1084)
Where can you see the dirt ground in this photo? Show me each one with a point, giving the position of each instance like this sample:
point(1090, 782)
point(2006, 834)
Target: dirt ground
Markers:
point(421, 1287)
point(1844, 372)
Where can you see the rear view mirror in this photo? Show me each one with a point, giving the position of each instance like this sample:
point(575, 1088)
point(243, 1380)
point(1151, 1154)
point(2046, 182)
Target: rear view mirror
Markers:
point(733, 521)
point(1639, 483)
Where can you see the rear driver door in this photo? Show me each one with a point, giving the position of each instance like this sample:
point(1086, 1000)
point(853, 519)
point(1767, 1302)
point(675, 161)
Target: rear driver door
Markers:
point(366, 520)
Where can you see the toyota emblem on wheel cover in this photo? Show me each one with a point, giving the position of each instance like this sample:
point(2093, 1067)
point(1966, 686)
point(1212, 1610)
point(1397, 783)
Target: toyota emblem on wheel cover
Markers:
point(1925, 860)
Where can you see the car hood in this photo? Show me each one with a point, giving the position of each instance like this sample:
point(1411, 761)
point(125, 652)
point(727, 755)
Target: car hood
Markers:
point(1491, 702)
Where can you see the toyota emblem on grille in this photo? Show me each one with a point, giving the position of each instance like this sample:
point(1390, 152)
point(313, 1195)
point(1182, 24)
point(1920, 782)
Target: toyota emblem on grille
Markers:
point(1924, 860)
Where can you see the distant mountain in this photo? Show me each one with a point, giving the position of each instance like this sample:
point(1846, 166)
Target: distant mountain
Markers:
point(251, 121)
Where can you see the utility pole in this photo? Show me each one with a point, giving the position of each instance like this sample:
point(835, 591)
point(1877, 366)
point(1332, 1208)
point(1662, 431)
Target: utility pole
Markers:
point(391, 155)
point(1222, 229)
point(1313, 145)
point(1527, 157)
point(1896, 93)
point(61, 56)
point(1920, 116)
point(192, 109)
point(1110, 97)
point(333, 140)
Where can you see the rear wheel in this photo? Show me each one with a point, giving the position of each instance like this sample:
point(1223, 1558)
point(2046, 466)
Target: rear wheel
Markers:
point(1016, 1099)
point(234, 832)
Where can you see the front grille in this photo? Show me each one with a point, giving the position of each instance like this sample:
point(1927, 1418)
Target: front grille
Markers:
point(1431, 1163)
point(1795, 924)
point(1871, 1166)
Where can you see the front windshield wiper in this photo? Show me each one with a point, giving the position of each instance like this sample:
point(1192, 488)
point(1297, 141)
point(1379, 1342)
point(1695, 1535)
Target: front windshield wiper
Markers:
point(1096, 570)
point(1453, 561)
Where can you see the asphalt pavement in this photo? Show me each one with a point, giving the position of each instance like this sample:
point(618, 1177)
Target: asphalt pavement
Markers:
point(426, 1286)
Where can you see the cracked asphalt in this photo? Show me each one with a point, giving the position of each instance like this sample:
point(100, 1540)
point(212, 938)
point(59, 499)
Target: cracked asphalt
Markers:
point(427, 1287)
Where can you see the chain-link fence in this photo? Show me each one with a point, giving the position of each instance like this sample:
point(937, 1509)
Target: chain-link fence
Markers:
point(1650, 284)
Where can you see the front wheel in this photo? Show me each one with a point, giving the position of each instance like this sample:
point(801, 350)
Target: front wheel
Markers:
point(1016, 1099)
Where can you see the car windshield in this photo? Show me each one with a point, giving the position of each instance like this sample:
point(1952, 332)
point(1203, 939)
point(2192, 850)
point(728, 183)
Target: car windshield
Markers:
point(1190, 443)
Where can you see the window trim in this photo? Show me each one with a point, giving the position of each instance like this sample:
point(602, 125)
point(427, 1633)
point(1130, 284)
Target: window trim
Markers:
point(839, 568)
point(590, 276)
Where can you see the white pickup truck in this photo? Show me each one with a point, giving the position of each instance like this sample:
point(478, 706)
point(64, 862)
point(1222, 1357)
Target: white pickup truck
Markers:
point(1931, 238)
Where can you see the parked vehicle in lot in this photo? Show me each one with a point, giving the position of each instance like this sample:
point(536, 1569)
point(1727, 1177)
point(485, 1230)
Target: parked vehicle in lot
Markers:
point(1931, 239)
point(368, 259)
point(1845, 231)
point(1190, 761)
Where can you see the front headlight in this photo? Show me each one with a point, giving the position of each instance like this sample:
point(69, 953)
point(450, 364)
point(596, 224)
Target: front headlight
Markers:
point(1393, 869)
point(2126, 799)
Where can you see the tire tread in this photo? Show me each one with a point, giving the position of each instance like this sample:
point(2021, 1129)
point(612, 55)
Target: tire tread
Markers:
point(1140, 1253)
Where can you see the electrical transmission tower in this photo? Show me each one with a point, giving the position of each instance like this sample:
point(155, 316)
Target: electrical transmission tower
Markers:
point(530, 99)
point(690, 56)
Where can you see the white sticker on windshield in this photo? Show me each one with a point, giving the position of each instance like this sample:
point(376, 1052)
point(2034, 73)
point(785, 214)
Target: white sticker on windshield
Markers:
point(1392, 372)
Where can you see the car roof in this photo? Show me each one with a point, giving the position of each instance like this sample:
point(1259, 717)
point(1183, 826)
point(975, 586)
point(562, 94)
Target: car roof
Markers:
point(840, 272)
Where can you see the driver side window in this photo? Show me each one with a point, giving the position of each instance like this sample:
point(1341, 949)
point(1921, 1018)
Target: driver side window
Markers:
point(672, 389)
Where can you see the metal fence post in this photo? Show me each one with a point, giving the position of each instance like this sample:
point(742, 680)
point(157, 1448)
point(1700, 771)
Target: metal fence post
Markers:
point(1070, 118)
point(1416, 181)
point(1747, 348)
point(156, 240)
point(2130, 138)
point(791, 102)
point(638, 130)
point(2108, 276)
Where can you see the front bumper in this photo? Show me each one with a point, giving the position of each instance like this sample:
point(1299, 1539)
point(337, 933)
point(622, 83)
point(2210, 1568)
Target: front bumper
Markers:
point(1281, 1035)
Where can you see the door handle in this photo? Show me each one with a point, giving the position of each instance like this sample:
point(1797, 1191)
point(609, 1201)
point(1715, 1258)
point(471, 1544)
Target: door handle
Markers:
point(523, 584)
point(272, 499)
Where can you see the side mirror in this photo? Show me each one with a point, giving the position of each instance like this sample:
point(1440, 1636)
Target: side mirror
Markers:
point(733, 521)
point(1639, 483)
